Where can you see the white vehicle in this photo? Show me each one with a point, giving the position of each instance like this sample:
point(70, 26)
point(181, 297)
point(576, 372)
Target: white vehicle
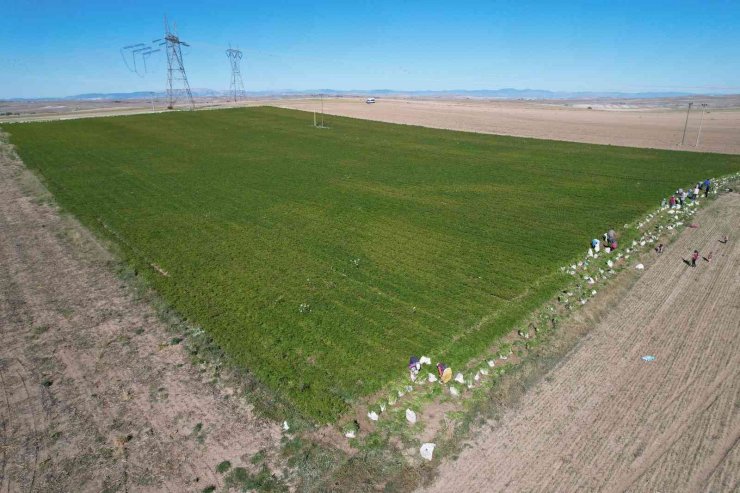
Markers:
point(370, 100)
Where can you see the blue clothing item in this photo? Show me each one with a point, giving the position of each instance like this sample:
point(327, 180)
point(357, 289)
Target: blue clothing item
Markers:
point(707, 183)
point(594, 243)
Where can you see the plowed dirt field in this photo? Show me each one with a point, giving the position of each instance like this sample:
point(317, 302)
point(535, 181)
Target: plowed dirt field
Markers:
point(94, 396)
point(606, 420)
point(653, 127)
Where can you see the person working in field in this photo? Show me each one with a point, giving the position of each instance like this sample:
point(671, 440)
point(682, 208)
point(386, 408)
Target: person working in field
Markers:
point(445, 374)
point(707, 186)
point(414, 367)
point(694, 258)
point(611, 238)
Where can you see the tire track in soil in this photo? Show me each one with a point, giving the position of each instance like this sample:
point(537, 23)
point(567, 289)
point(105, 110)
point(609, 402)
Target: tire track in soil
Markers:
point(604, 420)
point(4, 480)
point(32, 413)
point(20, 426)
point(98, 424)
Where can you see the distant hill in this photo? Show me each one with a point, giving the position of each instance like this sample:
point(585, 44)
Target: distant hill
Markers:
point(505, 93)
point(511, 93)
point(112, 95)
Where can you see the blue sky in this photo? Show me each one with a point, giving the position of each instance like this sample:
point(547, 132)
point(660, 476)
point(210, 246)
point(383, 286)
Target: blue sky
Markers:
point(65, 47)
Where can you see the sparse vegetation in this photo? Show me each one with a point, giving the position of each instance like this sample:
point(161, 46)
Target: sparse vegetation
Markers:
point(198, 434)
point(258, 458)
point(222, 467)
point(240, 479)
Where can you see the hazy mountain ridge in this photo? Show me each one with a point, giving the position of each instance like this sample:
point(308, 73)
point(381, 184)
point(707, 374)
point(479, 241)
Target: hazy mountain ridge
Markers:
point(505, 93)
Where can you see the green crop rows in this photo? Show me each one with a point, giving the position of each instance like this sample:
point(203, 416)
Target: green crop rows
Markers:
point(322, 258)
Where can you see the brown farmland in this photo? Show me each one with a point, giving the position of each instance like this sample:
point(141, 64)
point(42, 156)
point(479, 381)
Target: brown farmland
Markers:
point(659, 125)
point(95, 397)
point(604, 419)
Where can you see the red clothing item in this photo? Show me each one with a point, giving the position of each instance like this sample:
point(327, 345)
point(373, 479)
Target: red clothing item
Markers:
point(695, 256)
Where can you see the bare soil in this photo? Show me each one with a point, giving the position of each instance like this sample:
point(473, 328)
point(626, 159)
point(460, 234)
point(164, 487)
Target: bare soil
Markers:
point(654, 126)
point(95, 396)
point(604, 419)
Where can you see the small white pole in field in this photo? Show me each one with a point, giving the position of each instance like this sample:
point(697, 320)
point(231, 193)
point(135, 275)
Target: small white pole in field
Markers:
point(703, 107)
point(314, 118)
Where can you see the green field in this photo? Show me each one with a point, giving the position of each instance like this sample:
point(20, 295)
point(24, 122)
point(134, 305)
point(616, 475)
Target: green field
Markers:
point(322, 258)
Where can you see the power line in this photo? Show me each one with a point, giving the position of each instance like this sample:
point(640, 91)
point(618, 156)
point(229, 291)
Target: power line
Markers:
point(146, 55)
point(135, 57)
point(701, 121)
point(683, 139)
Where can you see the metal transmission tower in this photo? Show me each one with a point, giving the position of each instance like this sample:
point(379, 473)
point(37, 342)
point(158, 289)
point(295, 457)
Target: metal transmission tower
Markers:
point(237, 85)
point(175, 68)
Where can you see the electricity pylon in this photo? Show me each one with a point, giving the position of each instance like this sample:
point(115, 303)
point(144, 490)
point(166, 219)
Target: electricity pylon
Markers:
point(175, 68)
point(236, 88)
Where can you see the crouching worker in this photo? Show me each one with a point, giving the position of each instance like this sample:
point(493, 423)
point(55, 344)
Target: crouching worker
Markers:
point(445, 374)
point(414, 367)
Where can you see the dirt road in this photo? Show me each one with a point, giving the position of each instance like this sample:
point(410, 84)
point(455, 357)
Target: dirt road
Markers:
point(637, 127)
point(604, 419)
point(94, 395)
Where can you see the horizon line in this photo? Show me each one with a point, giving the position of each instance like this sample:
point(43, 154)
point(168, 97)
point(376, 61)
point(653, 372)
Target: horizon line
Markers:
point(318, 91)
